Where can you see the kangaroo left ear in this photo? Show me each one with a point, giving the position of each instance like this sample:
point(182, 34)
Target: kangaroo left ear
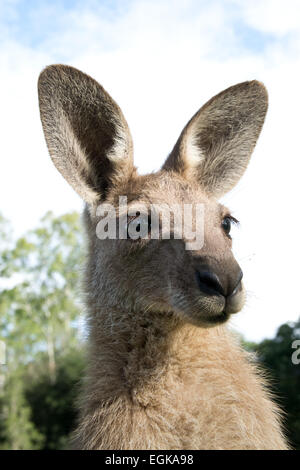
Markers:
point(86, 133)
point(217, 143)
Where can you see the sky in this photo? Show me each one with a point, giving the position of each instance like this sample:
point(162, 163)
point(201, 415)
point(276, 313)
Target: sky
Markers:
point(161, 61)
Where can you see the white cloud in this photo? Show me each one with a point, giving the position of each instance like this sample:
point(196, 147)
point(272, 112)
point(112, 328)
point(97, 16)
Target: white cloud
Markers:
point(161, 61)
point(271, 16)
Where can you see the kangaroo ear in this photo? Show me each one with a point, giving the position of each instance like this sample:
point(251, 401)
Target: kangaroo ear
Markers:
point(86, 133)
point(216, 144)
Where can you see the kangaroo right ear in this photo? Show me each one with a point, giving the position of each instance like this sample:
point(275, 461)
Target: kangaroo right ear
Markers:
point(86, 133)
point(215, 146)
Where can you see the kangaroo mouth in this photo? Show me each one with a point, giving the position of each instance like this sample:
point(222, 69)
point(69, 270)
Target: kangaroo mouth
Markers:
point(215, 319)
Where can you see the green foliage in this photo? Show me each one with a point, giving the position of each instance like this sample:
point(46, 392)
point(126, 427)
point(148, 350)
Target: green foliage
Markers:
point(276, 356)
point(52, 405)
point(18, 432)
point(39, 317)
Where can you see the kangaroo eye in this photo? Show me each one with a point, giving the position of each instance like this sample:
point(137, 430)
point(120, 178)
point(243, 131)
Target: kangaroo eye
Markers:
point(138, 226)
point(226, 225)
point(134, 223)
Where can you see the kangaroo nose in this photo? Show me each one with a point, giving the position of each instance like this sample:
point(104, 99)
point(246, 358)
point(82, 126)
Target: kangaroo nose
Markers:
point(211, 284)
point(235, 284)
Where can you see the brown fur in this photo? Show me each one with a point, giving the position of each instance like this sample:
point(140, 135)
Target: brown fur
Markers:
point(163, 370)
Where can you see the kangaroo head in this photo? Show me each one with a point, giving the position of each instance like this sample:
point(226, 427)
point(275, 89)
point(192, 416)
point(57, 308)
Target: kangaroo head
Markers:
point(90, 144)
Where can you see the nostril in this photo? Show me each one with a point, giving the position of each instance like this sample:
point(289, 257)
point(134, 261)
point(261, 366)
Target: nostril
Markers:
point(237, 285)
point(209, 282)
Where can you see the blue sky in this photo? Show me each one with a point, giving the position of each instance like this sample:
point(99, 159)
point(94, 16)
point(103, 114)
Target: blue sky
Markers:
point(32, 22)
point(161, 60)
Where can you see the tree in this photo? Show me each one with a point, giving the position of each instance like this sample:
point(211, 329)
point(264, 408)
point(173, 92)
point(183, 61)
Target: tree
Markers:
point(276, 357)
point(53, 405)
point(39, 314)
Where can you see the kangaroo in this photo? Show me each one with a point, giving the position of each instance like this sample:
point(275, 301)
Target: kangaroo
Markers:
point(164, 371)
